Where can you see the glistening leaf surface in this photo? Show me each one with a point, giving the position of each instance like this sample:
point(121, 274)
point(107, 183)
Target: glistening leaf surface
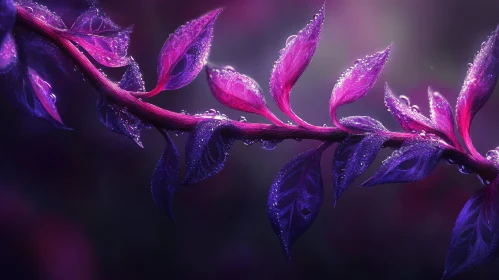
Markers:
point(293, 60)
point(165, 180)
point(475, 236)
point(185, 52)
point(295, 197)
point(8, 53)
point(441, 114)
point(43, 93)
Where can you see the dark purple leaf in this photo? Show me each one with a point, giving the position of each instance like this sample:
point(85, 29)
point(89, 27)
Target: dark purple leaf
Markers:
point(118, 119)
point(8, 54)
point(7, 18)
point(355, 82)
point(362, 123)
point(478, 85)
point(42, 13)
point(414, 161)
point(132, 79)
point(441, 114)
point(207, 149)
point(409, 118)
point(475, 236)
point(293, 60)
point(165, 180)
point(236, 91)
point(105, 41)
point(352, 157)
point(185, 52)
point(295, 197)
point(43, 93)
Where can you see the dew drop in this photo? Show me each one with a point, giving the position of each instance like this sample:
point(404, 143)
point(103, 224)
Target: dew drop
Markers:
point(230, 68)
point(268, 145)
point(405, 99)
point(464, 169)
point(242, 119)
point(415, 108)
point(290, 39)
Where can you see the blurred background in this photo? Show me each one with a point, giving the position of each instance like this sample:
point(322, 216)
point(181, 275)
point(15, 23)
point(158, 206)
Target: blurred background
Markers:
point(77, 204)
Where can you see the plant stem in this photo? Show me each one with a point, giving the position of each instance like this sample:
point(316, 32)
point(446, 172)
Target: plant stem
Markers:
point(165, 119)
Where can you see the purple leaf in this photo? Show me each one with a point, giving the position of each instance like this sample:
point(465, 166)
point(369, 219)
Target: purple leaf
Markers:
point(165, 179)
point(355, 82)
point(441, 114)
point(7, 18)
point(236, 91)
point(352, 157)
point(295, 197)
point(43, 93)
point(105, 41)
point(118, 119)
point(409, 118)
point(185, 52)
point(478, 85)
point(132, 79)
point(362, 123)
point(207, 149)
point(42, 13)
point(293, 60)
point(414, 161)
point(475, 236)
point(8, 54)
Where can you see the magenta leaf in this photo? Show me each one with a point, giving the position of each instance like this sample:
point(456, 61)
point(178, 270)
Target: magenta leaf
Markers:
point(355, 82)
point(475, 236)
point(105, 41)
point(42, 13)
point(362, 123)
point(295, 197)
point(165, 179)
point(352, 157)
point(441, 114)
point(185, 52)
point(118, 119)
point(478, 85)
point(7, 18)
point(415, 159)
point(207, 150)
point(8, 54)
point(293, 60)
point(236, 91)
point(132, 79)
point(44, 95)
point(409, 118)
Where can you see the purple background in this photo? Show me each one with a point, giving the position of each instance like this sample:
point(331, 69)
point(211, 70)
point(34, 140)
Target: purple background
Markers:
point(77, 204)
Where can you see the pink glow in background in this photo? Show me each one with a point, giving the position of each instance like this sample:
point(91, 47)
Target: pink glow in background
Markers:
point(77, 204)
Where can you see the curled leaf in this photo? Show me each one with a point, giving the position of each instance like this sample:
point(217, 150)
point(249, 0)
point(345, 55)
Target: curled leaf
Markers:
point(8, 53)
point(165, 182)
point(352, 157)
point(295, 197)
point(185, 52)
point(475, 236)
point(42, 13)
point(118, 119)
point(43, 92)
point(7, 18)
point(292, 62)
point(478, 85)
point(236, 91)
point(355, 82)
point(409, 118)
point(362, 123)
point(441, 114)
point(207, 149)
point(414, 161)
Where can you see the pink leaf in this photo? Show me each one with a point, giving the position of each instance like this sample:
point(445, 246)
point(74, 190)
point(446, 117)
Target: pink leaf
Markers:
point(293, 61)
point(236, 91)
point(44, 94)
point(357, 80)
point(478, 86)
point(441, 114)
point(8, 53)
point(105, 41)
point(409, 117)
point(42, 13)
point(185, 52)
